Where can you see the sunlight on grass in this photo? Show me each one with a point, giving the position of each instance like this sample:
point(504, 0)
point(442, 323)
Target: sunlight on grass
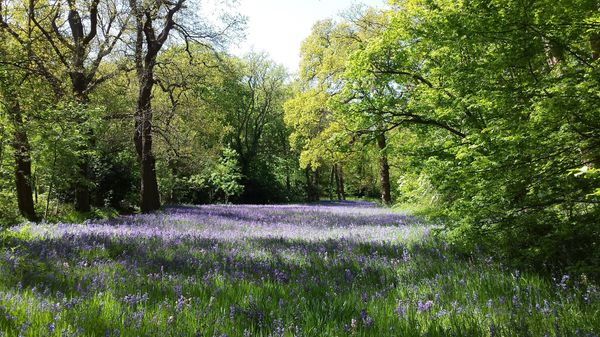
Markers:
point(319, 270)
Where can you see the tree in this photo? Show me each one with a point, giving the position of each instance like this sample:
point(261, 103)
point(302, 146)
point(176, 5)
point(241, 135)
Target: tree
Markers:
point(20, 143)
point(321, 95)
point(148, 45)
point(155, 22)
point(501, 95)
point(257, 92)
point(79, 49)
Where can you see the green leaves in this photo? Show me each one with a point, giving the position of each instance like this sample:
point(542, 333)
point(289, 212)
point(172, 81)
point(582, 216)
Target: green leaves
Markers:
point(496, 103)
point(226, 176)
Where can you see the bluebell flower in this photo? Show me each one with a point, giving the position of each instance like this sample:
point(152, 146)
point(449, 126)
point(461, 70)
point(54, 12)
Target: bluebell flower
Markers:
point(424, 306)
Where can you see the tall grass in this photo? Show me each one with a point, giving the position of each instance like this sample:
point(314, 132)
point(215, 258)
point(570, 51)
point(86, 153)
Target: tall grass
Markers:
point(333, 273)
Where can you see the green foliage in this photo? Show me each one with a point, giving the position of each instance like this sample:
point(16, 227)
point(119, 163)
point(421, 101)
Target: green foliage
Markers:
point(322, 131)
point(489, 109)
point(232, 103)
point(219, 182)
point(223, 181)
point(501, 117)
point(251, 98)
point(589, 173)
point(9, 213)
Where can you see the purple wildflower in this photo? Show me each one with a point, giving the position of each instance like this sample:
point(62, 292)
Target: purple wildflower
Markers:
point(424, 306)
point(515, 301)
point(563, 281)
point(400, 310)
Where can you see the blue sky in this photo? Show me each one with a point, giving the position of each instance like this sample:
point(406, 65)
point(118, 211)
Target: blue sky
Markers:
point(278, 27)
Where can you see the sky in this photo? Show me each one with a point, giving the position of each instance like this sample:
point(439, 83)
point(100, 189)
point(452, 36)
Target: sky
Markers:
point(278, 27)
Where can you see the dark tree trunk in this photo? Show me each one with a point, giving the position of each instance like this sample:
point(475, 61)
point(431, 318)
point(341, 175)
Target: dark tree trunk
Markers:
point(341, 192)
point(150, 197)
point(384, 170)
point(317, 191)
point(331, 179)
point(82, 189)
point(145, 61)
point(51, 186)
point(149, 194)
point(309, 187)
point(336, 174)
point(23, 177)
point(22, 153)
point(312, 185)
point(80, 83)
point(595, 44)
point(34, 184)
point(81, 77)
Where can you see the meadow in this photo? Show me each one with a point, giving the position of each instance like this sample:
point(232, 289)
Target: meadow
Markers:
point(329, 269)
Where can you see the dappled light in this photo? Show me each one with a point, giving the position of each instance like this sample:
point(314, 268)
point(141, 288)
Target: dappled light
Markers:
point(260, 270)
point(299, 168)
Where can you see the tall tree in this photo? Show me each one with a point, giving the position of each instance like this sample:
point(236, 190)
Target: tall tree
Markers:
point(79, 34)
point(257, 90)
point(20, 143)
point(384, 169)
point(325, 59)
point(15, 75)
point(156, 20)
point(148, 45)
point(504, 114)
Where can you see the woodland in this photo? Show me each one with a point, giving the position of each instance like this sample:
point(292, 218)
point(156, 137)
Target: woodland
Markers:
point(481, 118)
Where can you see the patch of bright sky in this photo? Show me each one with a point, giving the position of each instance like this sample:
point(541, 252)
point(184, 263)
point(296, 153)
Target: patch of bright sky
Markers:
point(278, 27)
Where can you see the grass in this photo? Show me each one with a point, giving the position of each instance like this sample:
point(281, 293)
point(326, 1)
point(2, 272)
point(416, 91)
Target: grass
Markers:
point(184, 274)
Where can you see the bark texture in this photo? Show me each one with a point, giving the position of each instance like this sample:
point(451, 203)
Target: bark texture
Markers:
point(149, 193)
point(384, 170)
point(22, 154)
point(312, 185)
point(595, 44)
point(145, 61)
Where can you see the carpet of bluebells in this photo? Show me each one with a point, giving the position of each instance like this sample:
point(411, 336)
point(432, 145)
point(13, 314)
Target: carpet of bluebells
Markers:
point(331, 269)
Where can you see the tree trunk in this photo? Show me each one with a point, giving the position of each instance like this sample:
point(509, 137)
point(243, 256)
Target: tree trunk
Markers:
point(22, 153)
point(149, 195)
point(595, 44)
point(145, 61)
point(308, 184)
point(341, 191)
point(331, 178)
point(337, 182)
point(312, 185)
point(82, 189)
point(80, 83)
point(317, 191)
point(384, 170)
point(288, 183)
point(35, 187)
point(361, 173)
point(50, 188)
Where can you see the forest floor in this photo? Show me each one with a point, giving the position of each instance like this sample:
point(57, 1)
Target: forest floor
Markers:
point(331, 269)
